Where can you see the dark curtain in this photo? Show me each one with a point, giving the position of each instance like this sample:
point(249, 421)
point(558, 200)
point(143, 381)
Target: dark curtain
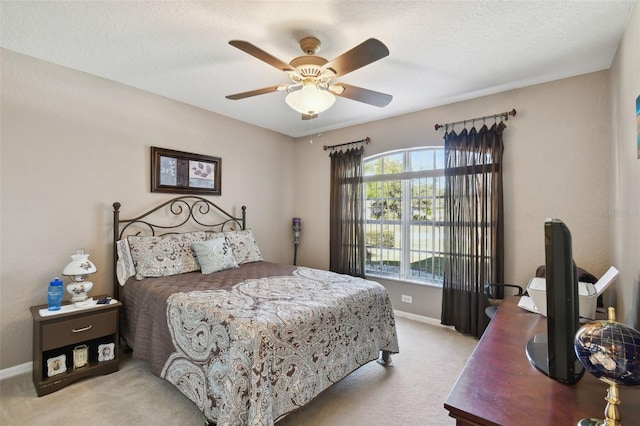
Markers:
point(474, 225)
point(346, 229)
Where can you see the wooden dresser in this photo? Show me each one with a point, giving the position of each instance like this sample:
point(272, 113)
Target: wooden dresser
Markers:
point(499, 386)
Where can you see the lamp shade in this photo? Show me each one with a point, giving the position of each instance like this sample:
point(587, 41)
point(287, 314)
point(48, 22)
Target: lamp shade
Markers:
point(310, 99)
point(80, 265)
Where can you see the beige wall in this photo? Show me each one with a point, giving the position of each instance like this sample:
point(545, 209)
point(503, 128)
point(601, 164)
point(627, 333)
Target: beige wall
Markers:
point(72, 144)
point(625, 185)
point(557, 164)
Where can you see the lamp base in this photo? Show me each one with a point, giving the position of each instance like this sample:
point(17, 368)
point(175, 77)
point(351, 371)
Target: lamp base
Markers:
point(79, 290)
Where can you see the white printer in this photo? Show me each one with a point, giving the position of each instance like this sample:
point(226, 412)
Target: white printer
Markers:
point(587, 293)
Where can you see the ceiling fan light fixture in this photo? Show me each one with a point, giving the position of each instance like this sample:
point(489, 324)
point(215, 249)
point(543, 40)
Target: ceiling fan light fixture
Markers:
point(310, 99)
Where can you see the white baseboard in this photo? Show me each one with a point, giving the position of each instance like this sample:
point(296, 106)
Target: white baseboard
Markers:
point(16, 370)
point(419, 318)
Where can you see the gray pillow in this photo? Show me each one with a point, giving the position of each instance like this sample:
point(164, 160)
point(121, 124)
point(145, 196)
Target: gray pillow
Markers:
point(214, 255)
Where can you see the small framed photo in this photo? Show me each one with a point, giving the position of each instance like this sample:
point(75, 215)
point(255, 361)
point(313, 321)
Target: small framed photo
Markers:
point(106, 352)
point(80, 356)
point(56, 365)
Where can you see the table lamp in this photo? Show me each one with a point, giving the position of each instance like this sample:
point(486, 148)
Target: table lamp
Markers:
point(611, 352)
point(79, 268)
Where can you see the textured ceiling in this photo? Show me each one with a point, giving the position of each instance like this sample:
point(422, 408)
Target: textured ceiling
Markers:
point(440, 51)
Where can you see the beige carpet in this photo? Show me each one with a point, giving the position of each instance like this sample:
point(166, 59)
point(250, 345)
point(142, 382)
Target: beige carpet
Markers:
point(412, 392)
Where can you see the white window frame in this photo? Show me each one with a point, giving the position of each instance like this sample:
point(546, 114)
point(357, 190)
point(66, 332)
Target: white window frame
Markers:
point(405, 273)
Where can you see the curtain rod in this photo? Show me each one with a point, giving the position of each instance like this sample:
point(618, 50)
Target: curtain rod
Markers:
point(365, 140)
point(505, 114)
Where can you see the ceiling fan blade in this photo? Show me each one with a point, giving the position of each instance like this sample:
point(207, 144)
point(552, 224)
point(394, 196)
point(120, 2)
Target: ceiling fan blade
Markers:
point(255, 92)
point(363, 54)
point(256, 52)
point(361, 95)
point(309, 116)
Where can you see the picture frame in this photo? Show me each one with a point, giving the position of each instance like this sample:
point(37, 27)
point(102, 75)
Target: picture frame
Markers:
point(185, 173)
point(80, 356)
point(56, 365)
point(106, 352)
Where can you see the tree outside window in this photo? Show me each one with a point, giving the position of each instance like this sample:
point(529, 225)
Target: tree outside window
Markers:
point(404, 205)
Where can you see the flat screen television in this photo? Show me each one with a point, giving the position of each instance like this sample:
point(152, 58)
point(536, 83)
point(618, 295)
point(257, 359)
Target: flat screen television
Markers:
point(552, 352)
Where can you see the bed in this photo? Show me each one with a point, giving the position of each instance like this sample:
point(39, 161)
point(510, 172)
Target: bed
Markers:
point(247, 340)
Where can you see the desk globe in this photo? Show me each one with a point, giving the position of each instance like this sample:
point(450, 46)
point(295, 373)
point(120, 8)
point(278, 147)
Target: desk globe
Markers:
point(611, 352)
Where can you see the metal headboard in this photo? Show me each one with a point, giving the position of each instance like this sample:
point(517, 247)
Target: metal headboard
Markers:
point(180, 212)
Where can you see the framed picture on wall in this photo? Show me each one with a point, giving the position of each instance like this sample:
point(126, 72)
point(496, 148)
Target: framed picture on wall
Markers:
point(185, 173)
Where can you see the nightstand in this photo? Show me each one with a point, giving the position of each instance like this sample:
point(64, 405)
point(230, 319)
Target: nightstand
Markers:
point(55, 337)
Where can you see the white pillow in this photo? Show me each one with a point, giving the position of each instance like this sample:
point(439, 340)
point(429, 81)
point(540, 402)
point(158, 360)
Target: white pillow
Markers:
point(214, 255)
point(166, 255)
point(124, 265)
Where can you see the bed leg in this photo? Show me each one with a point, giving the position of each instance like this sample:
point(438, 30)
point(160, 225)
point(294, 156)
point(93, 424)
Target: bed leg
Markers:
point(385, 359)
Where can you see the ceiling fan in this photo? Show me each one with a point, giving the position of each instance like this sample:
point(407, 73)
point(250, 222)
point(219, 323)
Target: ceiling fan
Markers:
point(311, 90)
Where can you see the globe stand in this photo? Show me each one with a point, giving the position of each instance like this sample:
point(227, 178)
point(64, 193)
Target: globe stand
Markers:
point(611, 412)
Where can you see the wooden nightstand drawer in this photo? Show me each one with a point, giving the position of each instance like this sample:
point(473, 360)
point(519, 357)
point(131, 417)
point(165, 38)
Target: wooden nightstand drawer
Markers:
point(79, 329)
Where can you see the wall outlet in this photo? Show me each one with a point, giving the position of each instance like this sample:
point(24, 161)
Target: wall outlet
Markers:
point(407, 299)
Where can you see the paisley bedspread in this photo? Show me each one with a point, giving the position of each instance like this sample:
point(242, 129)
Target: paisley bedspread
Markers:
point(251, 352)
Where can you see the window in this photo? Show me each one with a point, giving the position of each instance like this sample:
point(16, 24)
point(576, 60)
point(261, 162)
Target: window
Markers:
point(404, 215)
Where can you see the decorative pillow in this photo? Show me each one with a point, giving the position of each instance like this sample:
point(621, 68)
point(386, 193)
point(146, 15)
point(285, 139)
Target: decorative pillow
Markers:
point(165, 255)
point(244, 246)
point(214, 255)
point(211, 235)
point(124, 264)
